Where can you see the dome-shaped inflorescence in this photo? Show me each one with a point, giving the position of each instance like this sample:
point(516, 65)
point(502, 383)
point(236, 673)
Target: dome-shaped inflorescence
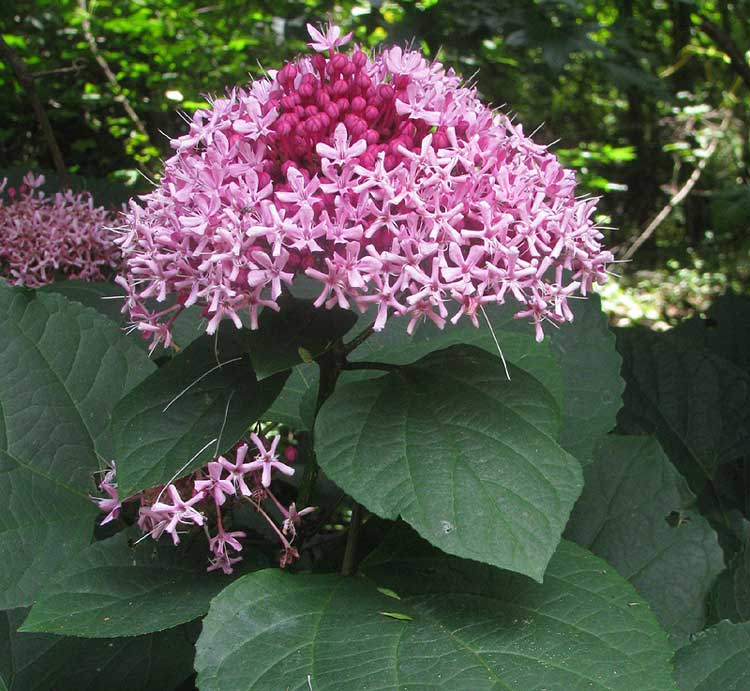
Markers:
point(44, 237)
point(382, 177)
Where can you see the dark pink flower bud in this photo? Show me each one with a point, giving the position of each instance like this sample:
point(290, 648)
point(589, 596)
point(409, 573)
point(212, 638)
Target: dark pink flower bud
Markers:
point(340, 88)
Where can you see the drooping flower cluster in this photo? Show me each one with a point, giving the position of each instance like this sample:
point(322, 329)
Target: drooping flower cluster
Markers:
point(210, 492)
point(382, 177)
point(42, 237)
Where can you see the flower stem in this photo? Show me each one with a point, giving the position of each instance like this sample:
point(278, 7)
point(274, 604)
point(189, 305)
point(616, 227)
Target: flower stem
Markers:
point(330, 365)
point(358, 340)
point(349, 565)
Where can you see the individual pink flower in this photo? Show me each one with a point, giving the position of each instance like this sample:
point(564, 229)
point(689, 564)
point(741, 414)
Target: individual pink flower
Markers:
point(236, 471)
point(179, 512)
point(223, 562)
point(329, 41)
point(215, 485)
point(267, 461)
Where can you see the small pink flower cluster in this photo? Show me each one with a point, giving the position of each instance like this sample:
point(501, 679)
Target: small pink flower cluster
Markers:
point(163, 510)
point(382, 177)
point(42, 236)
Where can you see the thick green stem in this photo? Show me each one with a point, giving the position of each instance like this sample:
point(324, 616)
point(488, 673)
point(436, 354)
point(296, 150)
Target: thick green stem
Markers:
point(330, 364)
point(349, 565)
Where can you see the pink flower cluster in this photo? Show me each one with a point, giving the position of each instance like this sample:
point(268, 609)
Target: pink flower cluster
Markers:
point(44, 236)
point(382, 177)
point(163, 510)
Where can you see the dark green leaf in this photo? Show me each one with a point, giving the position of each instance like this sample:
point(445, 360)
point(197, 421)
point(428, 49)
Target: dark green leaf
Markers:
point(724, 329)
point(294, 334)
point(469, 627)
point(715, 660)
point(636, 512)
point(295, 405)
point(106, 298)
point(462, 454)
point(696, 403)
point(62, 369)
point(44, 662)
point(590, 364)
point(195, 407)
point(113, 589)
point(730, 595)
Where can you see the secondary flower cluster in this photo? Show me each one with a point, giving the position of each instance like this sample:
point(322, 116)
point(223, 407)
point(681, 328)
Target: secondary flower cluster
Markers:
point(42, 236)
point(381, 176)
point(164, 510)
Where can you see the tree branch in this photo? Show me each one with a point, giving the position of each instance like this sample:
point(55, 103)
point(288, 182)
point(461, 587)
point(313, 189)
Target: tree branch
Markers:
point(726, 43)
point(108, 73)
point(26, 80)
point(683, 192)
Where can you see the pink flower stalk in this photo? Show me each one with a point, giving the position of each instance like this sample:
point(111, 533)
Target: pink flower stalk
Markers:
point(42, 237)
point(163, 509)
point(383, 177)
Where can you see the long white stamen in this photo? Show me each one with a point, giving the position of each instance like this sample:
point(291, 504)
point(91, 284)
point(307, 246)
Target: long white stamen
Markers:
point(203, 376)
point(497, 343)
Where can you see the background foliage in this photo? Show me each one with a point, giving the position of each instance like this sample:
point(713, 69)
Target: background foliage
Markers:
point(636, 93)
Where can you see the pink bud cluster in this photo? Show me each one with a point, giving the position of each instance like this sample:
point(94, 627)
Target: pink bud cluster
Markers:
point(209, 492)
point(42, 237)
point(383, 177)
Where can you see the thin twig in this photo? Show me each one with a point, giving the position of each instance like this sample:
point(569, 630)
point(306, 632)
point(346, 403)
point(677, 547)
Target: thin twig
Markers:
point(117, 90)
point(683, 192)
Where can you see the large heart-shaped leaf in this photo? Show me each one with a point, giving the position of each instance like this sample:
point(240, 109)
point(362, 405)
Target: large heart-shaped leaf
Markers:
point(62, 369)
point(114, 589)
point(590, 365)
point(696, 403)
point(465, 456)
point(195, 407)
point(453, 625)
point(724, 329)
point(715, 660)
point(44, 662)
point(636, 512)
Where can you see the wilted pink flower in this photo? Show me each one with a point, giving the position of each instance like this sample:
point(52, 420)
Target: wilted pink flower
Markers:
point(110, 505)
point(382, 177)
point(43, 237)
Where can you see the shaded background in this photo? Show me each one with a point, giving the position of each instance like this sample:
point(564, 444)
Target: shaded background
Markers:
point(648, 99)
